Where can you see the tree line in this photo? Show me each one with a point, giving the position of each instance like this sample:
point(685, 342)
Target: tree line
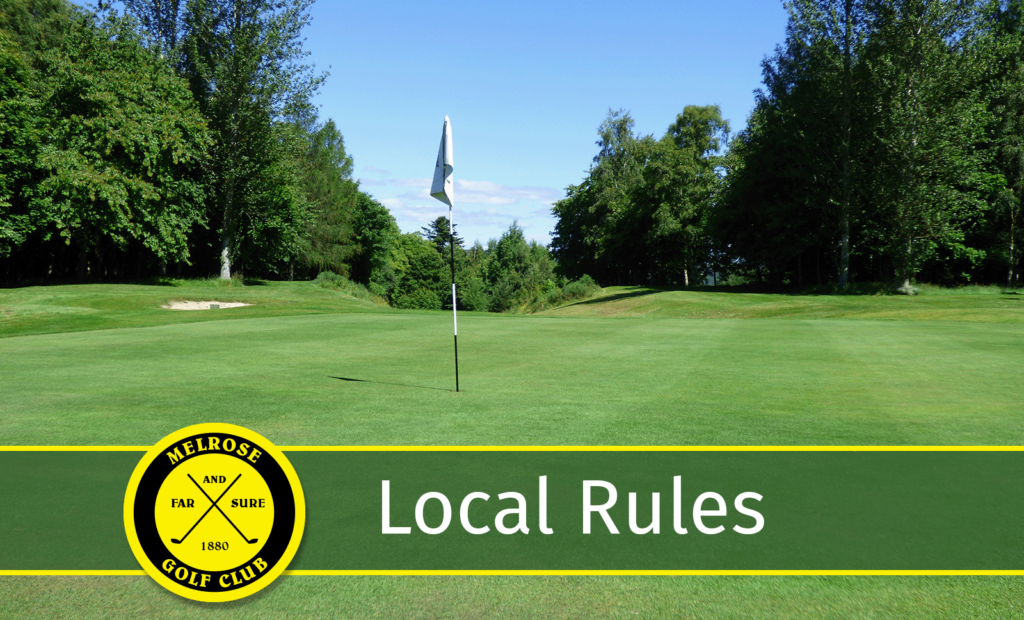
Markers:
point(886, 144)
point(178, 139)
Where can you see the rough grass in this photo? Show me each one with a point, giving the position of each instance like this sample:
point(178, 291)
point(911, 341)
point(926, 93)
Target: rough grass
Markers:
point(307, 365)
point(61, 309)
point(974, 304)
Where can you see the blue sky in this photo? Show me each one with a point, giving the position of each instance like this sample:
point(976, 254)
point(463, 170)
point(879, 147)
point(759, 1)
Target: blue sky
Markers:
point(526, 85)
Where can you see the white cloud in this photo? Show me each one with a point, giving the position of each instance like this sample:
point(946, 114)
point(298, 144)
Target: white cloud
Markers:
point(379, 171)
point(415, 212)
point(490, 217)
point(482, 192)
point(483, 209)
point(423, 182)
point(423, 194)
point(490, 193)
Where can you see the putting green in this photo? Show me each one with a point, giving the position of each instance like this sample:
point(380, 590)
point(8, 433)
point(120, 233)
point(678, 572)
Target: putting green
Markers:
point(387, 379)
point(305, 367)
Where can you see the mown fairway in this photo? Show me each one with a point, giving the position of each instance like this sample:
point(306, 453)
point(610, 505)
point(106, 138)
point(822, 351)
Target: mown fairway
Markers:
point(305, 366)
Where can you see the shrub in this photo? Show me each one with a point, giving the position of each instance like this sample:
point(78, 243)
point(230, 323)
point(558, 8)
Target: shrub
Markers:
point(502, 294)
point(420, 299)
point(335, 282)
point(573, 291)
point(474, 296)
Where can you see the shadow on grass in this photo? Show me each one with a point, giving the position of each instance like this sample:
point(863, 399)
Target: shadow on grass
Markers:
point(640, 293)
point(853, 290)
point(418, 387)
point(643, 291)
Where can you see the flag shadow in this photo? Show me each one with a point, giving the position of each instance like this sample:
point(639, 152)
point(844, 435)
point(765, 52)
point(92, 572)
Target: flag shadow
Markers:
point(418, 387)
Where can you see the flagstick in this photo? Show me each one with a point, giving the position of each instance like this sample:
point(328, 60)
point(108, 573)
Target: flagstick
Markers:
point(455, 322)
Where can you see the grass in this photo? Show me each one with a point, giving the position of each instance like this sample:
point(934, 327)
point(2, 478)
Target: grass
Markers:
point(972, 304)
point(103, 364)
point(61, 309)
point(740, 598)
point(386, 378)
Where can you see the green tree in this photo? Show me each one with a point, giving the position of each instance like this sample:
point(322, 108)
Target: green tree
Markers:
point(681, 184)
point(18, 112)
point(331, 195)
point(244, 60)
point(1006, 94)
point(378, 256)
point(164, 22)
point(827, 37)
point(929, 167)
point(790, 197)
point(589, 234)
point(437, 233)
point(639, 216)
point(35, 25)
point(514, 271)
point(124, 150)
point(422, 277)
point(472, 288)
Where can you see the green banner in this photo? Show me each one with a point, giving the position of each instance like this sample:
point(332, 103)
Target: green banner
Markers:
point(531, 510)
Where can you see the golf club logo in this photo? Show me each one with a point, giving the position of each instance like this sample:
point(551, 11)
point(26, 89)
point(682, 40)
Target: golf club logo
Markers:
point(214, 512)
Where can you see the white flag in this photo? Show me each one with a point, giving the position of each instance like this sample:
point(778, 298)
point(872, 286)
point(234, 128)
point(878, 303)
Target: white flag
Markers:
point(441, 187)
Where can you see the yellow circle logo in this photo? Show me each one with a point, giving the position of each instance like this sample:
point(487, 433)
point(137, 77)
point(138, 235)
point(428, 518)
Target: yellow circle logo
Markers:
point(214, 512)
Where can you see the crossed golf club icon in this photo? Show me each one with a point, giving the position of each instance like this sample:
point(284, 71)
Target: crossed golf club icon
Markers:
point(213, 505)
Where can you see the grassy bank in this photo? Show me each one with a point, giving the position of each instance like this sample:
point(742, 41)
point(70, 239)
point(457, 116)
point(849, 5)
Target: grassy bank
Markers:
point(975, 304)
point(68, 308)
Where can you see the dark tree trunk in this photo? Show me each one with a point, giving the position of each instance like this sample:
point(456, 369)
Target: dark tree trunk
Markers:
point(83, 262)
point(844, 215)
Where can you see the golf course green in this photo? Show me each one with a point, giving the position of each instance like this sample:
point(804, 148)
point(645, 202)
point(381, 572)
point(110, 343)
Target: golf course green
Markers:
point(106, 365)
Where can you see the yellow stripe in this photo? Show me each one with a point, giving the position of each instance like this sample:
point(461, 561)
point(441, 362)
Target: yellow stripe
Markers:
point(554, 448)
point(72, 573)
point(75, 448)
point(551, 573)
point(651, 448)
point(651, 573)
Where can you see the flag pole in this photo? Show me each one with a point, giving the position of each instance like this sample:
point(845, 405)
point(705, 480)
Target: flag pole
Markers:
point(455, 321)
point(441, 188)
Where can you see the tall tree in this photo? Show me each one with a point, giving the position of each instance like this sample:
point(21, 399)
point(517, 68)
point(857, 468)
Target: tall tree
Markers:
point(245, 64)
point(18, 144)
point(378, 254)
point(929, 167)
point(681, 184)
point(35, 25)
point(422, 276)
point(586, 237)
point(827, 36)
point(163, 21)
point(437, 233)
point(124, 150)
point(331, 195)
point(1006, 94)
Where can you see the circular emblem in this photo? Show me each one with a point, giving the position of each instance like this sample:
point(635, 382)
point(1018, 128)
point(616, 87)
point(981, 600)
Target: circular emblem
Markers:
point(214, 512)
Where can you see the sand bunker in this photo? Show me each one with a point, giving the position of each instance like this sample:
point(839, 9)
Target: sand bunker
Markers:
point(203, 305)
